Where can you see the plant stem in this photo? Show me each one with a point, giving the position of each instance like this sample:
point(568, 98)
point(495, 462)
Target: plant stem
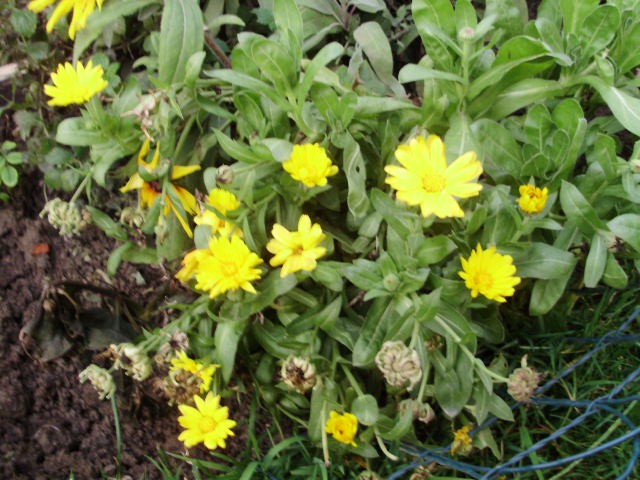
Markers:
point(116, 417)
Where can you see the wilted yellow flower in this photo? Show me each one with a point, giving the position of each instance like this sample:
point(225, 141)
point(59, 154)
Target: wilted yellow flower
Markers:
point(204, 372)
point(310, 165)
point(227, 264)
point(207, 423)
point(461, 441)
point(81, 11)
point(296, 250)
point(224, 202)
point(151, 191)
point(344, 428)
point(426, 180)
point(533, 199)
point(75, 85)
point(489, 273)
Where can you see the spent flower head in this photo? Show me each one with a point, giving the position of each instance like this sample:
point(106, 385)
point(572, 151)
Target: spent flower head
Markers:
point(399, 364)
point(310, 165)
point(297, 250)
point(202, 370)
point(461, 441)
point(101, 380)
point(343, 427)
point(523, 381)
point(132, 359)
point(207, 422)
point(489, 273)
point(533, 199)
point(66, 217)
point(75, 85)
point(298, 373)
point(425, 179)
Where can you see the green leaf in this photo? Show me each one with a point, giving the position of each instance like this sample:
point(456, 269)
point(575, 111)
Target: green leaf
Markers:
point(575, 11)
point(627, 227)
point(105, 223)
point(434, 250)
point(453, 387)
point(629, 55)
point(356, 173)
point(596, 261)
point(624, 107)
point(286, 16)
point(23, 21)
point(181, 35)
point(459, 139)
point(365, 407)
point(414, 73)
point(326, 54)
point(275, 63)
point(598, 30)
point(500, 154)
point(226, 339)
point(240, 79)
point(500, 408)
point(73, 131)
point(614, 275)
point(524, 93)
point(375, 46)
point(329, 274)
point(435, 21)
point(541, 260)
point(578, 209)
point(546, 293)
point(393, 214)
point(9, 176)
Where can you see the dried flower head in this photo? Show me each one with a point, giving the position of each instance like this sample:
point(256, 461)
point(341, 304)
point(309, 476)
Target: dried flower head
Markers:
point(298, 373)
point(66, 217)
point(420, 411)
point(201, 370)
point(399, 364)
point(132, 359)
point(461, 441)
point(523, 382)
point(207, 423)
point(343, 427)
point(101, 380)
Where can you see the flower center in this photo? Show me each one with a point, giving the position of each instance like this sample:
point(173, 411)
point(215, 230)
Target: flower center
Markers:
point(229, 269)
point(434, 183)
point(483, 280)
point(208, 424)
point(155, 186)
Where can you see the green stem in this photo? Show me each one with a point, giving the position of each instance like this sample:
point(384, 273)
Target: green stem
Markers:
point(352, 381)
point(116, 417)
point(183, 136)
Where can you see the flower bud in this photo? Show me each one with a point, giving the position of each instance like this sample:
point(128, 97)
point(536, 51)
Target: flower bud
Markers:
point(467, 34)
point(224, 174)
point(66, 217)
point(100, 379)
point(391, 282)
point(421, 411)
point(399, 364)
point(298, 373)
point(523, 382)
point(133, 360)
point(132, 216)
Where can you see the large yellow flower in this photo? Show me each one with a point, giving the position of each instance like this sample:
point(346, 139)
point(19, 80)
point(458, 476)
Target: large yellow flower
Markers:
point(224, 202)
point(344, 428)
point(426, 180)
point(151, 191)
point(204, 372)
point(533, 199)
point(310, 165)
point(81, 11)
point(75, 85)
point(227, 264)
point(296, 250)
point(489, 273)
point(207, 423)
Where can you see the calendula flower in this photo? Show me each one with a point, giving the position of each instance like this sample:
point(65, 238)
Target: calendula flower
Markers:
point(343, 427)
point(297, 250)
point(204, 372)
point(532, 199)
point(224, 202)
point(207, 423)
point(151, 191)
point(227, 264)
point(310, 165)
point(426, 180)
point(489, 273)
point(461, 441)
point(75, 85)
point(81, 11)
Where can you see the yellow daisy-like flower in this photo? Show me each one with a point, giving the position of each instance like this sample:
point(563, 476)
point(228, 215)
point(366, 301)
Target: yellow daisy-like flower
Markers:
point(81, 11)
point(150, 192)
point(310, 165)
point(227, 264)
point(489, 273)
point(207, 423)
point(343, 427)
point(75, 85)
point(224, 202)
point(426, 180)
point(533, 199)
point(204, 372)
point(461, 441)
point(298, 250)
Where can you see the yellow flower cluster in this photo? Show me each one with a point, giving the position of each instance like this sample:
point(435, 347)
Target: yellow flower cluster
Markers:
point(201, 370)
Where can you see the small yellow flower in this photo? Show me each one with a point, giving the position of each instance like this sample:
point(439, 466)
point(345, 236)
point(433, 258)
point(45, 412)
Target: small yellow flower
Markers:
point(81, 11)
point(75, 85)
point(461, 441)
point(150, 192)
point(204, 372)
point(489, 273)
point(296, 250)
point(532, 199)
point(344, 428)
point(426, 180)
point(224, 202)
point(310, 165)
point(207, 423)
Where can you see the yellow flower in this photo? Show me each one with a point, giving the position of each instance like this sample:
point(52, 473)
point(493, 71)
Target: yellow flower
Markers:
point(296, 250)
point(224, 202)
point(532, 199)
point(75, 85)
point(426, 180)
point(81, 11)
point(227, 264)
point(207, 423)
point(489, 273)
point(310, 165)
point(344, 428)
point(204, 372)
point(151, 191)
point(461, 441)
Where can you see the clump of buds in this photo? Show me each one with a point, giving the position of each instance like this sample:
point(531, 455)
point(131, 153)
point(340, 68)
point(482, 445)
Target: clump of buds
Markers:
point(100, 379)
point(132, 359)
point(523, 382)
point(179, 341)
point(66, 217)
point(399, 364)
point(298, 373)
